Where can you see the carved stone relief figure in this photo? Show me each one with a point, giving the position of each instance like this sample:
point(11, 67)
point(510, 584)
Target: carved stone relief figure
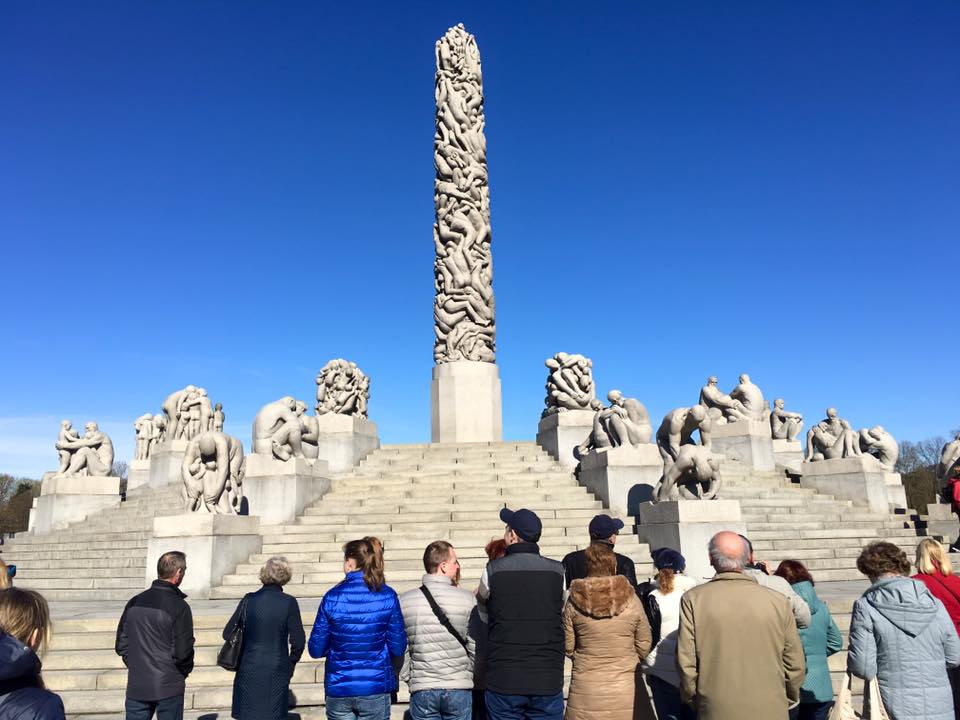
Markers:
point(212, 472)
point(87, 454)
point(569, 383)
point(694, 475)
point(784, 425)
point(722, 407)
point(832, 438)
point(949, 465)
point(677, 428)
point(624, 422)
point(277, 430)
point(880, 444)
point(342, 388)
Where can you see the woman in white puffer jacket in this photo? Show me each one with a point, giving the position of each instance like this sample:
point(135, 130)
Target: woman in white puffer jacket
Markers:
point(660, 665)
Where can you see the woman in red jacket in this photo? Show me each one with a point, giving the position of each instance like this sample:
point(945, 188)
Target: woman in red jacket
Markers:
point(934, 571)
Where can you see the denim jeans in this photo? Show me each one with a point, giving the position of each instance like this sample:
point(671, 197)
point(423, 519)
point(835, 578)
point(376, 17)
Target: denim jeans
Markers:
point(441, 705)
point(524, 707)
point(666, 700)
point(167, 709)
point(360, 707)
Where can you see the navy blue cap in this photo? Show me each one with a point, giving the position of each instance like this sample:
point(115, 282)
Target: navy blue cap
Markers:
point(603, 526)
point(523, 522)
point(668, 559)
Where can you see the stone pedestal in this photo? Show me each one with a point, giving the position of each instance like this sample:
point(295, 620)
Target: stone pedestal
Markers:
point(687, 526)
point(465, 403)
point(942, 521)
point(277, 491)
point(166, 460)
point(860, 479)
point(70, 498)
point(622, 477)
point(345, 440)
point(138, 474)
point(747, 442)
point(560, 432)
point(788, 454)
point(214, 545)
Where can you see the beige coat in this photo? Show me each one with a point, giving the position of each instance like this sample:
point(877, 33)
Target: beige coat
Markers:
point(739, 653)
point(607, 635)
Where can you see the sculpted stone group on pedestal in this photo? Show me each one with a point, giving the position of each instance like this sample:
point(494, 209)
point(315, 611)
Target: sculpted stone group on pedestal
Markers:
point(212, 471)
point(833, 438)
point(745, 401)
point(624, 422)
point(784, 425)
point(87, 454)
point(342, 388)
point(150, 431)
point(283, 430)
point(569, 383)
point(189, 412)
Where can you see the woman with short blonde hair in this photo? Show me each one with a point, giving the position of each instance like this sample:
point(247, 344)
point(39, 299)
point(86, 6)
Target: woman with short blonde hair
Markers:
point(25, 632)
point(273, 641)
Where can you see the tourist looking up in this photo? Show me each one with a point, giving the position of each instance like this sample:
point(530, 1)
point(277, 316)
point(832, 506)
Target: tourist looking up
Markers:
point(761, 573)
point(155, 640)
point(902, 636)
point(934, 571)
point(607, 635)
point(25, 630)
point(495, 549)
point(820, 639)
point(523, 596)
point(359, 629)
point(273, 641)
point(603, 529)
point(436, 616)
point(662, 595)
point(738, 651)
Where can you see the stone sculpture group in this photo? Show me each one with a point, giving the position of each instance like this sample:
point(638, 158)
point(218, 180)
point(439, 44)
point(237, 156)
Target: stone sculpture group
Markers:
point(87, 454)
point(624, 422)
point(569, 383)
point(834, 438)
point(212, 470)
point(283, 430)
point(189, 412)
point(342, 388)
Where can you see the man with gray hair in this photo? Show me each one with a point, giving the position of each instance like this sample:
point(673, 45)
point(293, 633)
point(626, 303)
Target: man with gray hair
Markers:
point(155, 640)
point(761, 573)
point(738, 650)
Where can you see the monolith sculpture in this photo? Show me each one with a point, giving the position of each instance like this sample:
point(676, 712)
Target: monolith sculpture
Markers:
point(465, 392)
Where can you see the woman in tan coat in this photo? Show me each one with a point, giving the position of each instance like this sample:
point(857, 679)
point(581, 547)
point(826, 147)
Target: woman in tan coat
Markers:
point(607, 635)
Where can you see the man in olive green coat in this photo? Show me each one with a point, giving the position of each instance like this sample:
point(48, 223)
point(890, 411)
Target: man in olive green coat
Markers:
point(739, 653)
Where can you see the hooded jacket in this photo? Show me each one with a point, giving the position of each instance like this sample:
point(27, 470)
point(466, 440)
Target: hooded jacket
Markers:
point(902, 636)
point(22, 696)
point(820, 639)
point(607, 635)
point(358, 631)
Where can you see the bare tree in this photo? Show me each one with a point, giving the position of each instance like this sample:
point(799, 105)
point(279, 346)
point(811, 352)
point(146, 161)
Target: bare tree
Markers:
point(120, 469)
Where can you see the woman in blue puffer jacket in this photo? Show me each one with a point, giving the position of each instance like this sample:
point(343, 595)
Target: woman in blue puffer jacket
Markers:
point(359, 629)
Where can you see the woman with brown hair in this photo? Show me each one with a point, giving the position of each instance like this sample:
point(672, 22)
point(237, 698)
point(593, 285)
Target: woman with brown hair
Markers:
point(25, 631)
point(902, 636)
point(607, 635)
point(359, 629)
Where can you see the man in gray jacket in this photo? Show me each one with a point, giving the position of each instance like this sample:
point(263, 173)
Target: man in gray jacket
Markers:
point(436, 616)
point(760, 573)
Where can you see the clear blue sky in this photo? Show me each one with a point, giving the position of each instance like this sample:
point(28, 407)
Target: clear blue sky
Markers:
point(232, 193)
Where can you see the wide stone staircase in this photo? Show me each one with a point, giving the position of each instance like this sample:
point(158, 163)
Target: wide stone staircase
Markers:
point(407, 496)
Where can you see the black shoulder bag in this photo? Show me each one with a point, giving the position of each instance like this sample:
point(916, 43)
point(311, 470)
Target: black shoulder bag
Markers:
point(229, 656)
point(651, 609)
point(442, 617)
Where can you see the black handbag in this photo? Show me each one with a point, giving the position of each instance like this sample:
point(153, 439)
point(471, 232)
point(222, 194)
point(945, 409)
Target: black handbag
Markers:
point(651, 609)
point(229, 656)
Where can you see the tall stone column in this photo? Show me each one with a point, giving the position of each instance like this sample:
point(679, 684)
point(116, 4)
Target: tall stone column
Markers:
point(465, 392)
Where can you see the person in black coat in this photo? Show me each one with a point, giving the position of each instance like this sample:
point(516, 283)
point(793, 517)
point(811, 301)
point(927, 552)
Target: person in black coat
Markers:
point(603, 529)
point(273, 641)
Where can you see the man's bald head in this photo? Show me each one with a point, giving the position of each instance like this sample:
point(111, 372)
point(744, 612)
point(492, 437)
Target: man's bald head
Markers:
point(728, 552)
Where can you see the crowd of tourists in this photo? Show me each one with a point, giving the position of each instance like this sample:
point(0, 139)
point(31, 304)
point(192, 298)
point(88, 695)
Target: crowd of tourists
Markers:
point(746, 643)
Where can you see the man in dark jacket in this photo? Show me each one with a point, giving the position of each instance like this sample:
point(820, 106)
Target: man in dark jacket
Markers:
point(155, 640)
point(603, 529)
point(522, 593)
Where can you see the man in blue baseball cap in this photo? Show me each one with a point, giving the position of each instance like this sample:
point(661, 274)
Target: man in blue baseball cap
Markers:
point(522, 593)
point(603, 529)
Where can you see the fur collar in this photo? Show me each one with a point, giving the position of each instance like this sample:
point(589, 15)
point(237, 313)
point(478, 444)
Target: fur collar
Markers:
point(601, 597)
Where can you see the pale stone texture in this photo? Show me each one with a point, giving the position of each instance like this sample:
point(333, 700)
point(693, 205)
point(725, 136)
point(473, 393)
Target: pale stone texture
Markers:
point(87, 454)
point(860, 478)
point(345, 440)
point(212, 472)
point(465, 403)
point(624, 422)
point(788, 454)
point(559, 433)
point(687, 526)
point(949, 465)
point(214, 545)
point(166, 459)
point(278, 491)
point(70, 498)
point(942, 521)
point(622, 477)
point(342, 388)
point(694, 475)
point(745, 441)
point(569, 383)
point(138, 473)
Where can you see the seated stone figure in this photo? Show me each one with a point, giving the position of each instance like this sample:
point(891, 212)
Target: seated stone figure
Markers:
point(751, 398)
point(832, 438)
point(949, 465)
point(67, 436)
point(569, 383)
point(677, 428)
point(880, 444)
point(722, 407)
point(309, 432)
point(784, 425)
point(624, 422)
point(694, 475)
point(277, 430)
point(212, 472)
point(90, 454)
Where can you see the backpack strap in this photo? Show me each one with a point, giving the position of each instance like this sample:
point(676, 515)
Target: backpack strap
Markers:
point(442, 616)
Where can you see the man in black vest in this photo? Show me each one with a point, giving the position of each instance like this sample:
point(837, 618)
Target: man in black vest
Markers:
point(603, 529)
point(523, 596)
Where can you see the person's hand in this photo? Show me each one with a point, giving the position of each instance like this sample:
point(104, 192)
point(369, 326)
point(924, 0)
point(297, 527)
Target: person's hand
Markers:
point(762, 565)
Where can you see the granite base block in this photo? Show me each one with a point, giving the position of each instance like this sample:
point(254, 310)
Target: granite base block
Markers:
point(622, 477)
point(138, 474)
point(465, 403)
point(66, 499)
point(788, 454)
point(860, 479)
point(559, 433)
point(345, 440)
point(942, 521)
point(214, 546)
point(278, 491)
point(747, 442)
point(166, 460)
